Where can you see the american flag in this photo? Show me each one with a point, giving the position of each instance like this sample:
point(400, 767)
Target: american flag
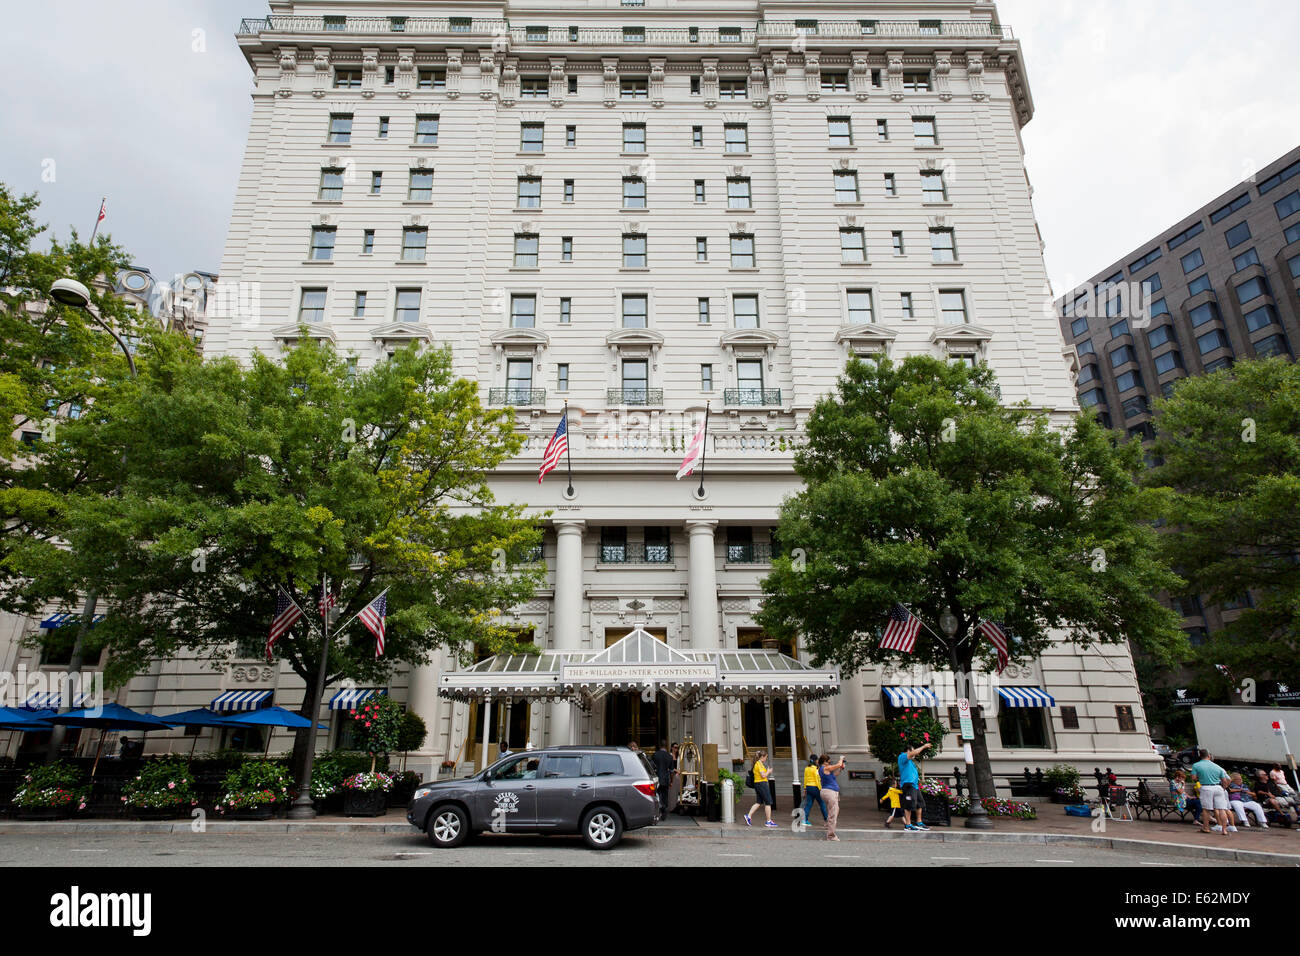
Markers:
point(286, 615)
point(555, 448)
point(372, 616)
point(325, 602)
point(998, 638)
point(901, 631)
point(693, 451)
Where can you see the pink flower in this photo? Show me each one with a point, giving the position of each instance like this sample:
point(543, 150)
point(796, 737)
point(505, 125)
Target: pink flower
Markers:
point(927, 736)
point(902, 736)
point(171, 786)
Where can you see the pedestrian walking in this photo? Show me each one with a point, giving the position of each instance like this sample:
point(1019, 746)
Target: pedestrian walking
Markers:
point(894, 796)
point(663, 764)
point(1213, 794)
point(909, 774)
point(830, 792)
point(812, 790)
point(762, 790)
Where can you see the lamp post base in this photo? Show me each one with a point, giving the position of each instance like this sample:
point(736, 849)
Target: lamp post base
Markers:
point(302, 808)
point(978, 821)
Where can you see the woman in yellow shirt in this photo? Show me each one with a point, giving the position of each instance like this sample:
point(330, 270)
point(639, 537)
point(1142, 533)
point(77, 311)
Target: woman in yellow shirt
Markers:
point(763, 790)
point(812, 790)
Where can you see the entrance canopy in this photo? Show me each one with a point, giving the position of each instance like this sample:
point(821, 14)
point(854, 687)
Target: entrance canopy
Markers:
point(641, 662)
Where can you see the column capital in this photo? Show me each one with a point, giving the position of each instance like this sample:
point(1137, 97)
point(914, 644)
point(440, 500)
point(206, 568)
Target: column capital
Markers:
point(701, 525)
point(569, 525)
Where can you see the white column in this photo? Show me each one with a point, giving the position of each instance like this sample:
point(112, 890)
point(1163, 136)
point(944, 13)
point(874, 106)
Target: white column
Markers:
point(851, 715)
point(422, 700)
point(487, 726)
point(568, 615)
point(702, 606)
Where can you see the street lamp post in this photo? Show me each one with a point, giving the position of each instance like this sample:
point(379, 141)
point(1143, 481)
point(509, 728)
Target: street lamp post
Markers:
point(75, 295)
point(978, 818)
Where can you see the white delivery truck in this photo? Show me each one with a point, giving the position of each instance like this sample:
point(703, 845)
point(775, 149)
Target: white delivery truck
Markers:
point(1257, 735)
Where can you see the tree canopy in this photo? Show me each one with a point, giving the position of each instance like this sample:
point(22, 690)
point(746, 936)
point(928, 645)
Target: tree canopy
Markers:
point(922, 488)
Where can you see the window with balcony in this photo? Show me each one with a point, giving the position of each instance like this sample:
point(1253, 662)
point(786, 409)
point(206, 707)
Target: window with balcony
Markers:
point(749, 382)
point(636, 382)
point(519, 382)
point(658, 545)
point(740, 545)
point(613, 545)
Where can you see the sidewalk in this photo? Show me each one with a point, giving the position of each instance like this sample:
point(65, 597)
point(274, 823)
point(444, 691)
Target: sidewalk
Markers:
point(857, 823)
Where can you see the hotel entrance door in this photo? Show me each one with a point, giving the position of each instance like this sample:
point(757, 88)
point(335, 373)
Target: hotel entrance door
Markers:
point(628, 718)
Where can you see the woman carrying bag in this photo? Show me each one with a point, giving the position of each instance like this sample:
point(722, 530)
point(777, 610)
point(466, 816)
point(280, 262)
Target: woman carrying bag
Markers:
point(762, 790)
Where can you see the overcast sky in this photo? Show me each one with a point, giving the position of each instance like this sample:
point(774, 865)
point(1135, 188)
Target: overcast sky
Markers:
point(1146, 110)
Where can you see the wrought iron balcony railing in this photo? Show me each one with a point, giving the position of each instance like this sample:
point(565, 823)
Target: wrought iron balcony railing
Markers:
point(886, 29)
point(634, 396)
point(751, 396)
point(517, 396)
point(636, 554)
point(749, 554)
point(423, 26)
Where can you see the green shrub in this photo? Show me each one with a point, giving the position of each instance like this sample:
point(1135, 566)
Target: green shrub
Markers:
point(256, 783)
point(52, 785)
point(161, 783)
point(889, 738)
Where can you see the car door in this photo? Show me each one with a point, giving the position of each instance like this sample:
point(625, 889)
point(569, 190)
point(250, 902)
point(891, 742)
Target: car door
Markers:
point(508, 800)
point(562, 792)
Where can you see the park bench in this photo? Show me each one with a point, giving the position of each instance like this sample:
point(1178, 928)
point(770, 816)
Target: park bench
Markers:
point(1155, 802)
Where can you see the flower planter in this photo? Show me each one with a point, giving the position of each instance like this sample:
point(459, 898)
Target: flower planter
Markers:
point(155, 813)
point(936, 810)
point(401, 796)
point(43, 813)
point(253, 813)
point(365, 803)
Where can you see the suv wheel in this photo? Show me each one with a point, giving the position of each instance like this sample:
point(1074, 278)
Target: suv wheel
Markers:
point(601, 828)
point(448, 827)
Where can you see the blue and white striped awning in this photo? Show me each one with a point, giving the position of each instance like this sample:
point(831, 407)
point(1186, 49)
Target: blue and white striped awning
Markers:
point(53, 700)
point(61, 620)
point(241, 700)
point(911, 697)
point(349, 698)
point(1026, 697)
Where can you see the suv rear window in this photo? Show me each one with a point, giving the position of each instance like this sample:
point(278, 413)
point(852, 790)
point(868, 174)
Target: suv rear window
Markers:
point(646, 764)
point(606, 765)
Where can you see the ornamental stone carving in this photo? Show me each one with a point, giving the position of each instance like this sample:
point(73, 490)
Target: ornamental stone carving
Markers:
point(812, 75)
point(487, 74)
point(288, 70)
point(757, 84)
point(454, 72)
point(405, 78)
point(609, 76)
point(369, 72)
point(779, 65)
point(943, 67)
point(895, 73)
point(975, 74)
point(558, 85)
point(321, 64)
point(510, 82)
point(251, 674)
point(860, 76)
point(709, 83)
point(657, 81)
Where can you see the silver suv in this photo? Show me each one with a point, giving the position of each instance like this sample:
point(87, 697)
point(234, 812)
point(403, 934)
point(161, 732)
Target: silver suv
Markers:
point(599, 792)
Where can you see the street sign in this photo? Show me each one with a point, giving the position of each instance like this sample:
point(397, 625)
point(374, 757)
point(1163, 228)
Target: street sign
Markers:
point(963, 717)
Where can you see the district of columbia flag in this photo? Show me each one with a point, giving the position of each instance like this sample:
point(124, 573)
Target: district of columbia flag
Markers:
point(372, 616)
point(998, 638)
point(287, 613)
point(901, 631)
point(555, 448)
point(693, 451)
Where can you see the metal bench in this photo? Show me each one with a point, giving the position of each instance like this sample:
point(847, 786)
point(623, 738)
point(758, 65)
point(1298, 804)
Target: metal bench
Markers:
point(1156, 803)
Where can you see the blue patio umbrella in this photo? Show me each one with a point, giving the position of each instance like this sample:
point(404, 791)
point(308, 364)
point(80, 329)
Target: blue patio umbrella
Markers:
point(11, 718)
point(109, 717)
point(198, 717)
point(271, 717)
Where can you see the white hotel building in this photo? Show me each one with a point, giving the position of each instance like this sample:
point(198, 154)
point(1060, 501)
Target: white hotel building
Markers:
point(638, 208)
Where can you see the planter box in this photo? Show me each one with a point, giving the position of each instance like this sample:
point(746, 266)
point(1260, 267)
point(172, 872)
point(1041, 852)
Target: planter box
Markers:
point(935, 811)
point(253, 813)
point(43, 813)
point(361, 803)
point(155, 813)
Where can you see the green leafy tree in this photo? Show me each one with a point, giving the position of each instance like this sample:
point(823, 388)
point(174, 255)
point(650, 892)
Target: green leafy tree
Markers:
point(235, 480)
point(1230, 476)
point(922, 488)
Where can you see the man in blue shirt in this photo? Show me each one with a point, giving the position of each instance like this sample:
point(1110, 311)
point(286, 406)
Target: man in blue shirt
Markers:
point(909, 778)
point(1214, 793)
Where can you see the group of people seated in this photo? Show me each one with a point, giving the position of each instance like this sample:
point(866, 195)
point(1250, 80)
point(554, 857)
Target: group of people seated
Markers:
point(1267, 797)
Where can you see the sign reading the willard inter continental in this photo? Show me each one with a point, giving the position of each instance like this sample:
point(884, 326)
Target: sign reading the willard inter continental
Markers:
point(623, 673)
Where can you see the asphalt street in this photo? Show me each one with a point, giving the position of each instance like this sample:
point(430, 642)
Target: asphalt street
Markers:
point(379, 849)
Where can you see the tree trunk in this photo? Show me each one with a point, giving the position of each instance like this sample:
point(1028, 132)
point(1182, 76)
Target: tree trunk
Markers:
point(961, 666)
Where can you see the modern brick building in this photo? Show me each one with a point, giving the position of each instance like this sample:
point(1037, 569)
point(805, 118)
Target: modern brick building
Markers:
point(1218, 286)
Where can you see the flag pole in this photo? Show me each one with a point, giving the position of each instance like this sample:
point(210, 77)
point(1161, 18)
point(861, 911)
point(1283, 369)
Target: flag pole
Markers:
point(568, 447)
point(99, 214)
point(704, 450)
point(928, 628)
point(302, 808)
point(358, 614)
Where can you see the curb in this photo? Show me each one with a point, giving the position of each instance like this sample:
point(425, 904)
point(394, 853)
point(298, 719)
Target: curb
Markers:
point(714, 832)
